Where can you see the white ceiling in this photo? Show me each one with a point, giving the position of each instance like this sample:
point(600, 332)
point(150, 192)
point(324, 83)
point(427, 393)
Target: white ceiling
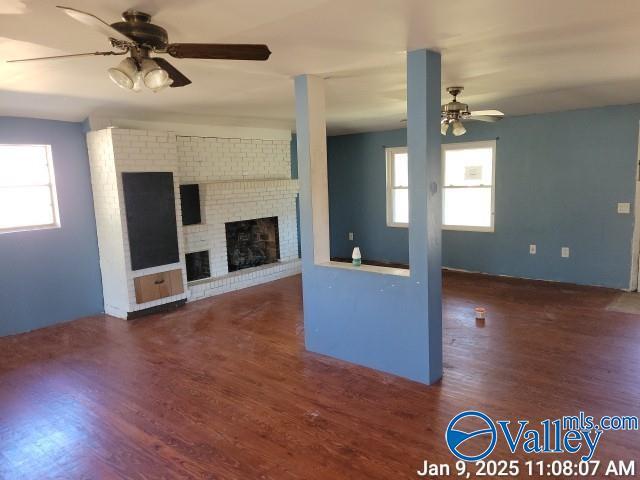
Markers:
point(518, 56)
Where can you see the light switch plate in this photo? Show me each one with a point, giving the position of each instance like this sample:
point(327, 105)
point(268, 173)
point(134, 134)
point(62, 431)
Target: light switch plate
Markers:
point(565, 252)
point(532, 249)
point(350, 235)
point(624, 208)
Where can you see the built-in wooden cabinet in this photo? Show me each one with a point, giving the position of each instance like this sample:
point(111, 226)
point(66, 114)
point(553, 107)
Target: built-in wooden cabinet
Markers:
point(158, 285)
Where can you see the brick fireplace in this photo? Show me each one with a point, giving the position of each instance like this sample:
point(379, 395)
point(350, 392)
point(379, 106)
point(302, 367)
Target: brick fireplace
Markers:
point(251, 243)
point(246, 193)
point(232, 179)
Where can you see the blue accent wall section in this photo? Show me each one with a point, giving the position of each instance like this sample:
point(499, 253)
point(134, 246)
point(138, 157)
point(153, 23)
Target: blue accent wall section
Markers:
point(559, 177)
point(50, 276)
point(387, 322)
point(357, 197)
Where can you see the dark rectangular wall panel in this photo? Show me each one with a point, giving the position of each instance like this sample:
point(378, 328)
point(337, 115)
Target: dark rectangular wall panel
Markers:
point(197, 265)
point(151, 218)
point(190, 201)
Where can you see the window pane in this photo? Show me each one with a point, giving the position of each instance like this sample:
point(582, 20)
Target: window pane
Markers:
point(25, 206)
point(468, 167)
point(467, 206)
point(401, 205)
point(400, 170)
point(23, 165)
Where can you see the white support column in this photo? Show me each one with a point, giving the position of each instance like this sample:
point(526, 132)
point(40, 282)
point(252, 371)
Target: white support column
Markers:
point(312, 147)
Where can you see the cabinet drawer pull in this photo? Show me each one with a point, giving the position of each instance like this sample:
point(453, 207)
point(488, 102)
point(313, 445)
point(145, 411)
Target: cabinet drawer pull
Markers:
point(158, 282)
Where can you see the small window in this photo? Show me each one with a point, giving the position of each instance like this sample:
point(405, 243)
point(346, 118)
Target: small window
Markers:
point(468, 186)
point(397, 187)
point(28, 198)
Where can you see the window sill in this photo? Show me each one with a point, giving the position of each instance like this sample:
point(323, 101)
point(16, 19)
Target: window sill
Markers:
point(30, 228)
point(399, 272)
point(463, 228)
point(397, 225)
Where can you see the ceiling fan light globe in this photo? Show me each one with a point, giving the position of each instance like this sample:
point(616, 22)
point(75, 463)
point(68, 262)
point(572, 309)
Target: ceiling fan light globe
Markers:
point(120, 79)
point(444, 127)
point(458, 128)
point(157, 79)
point(165, 85)
point(125, 74)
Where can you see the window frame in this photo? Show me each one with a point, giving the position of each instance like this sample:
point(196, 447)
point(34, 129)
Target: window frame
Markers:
point(468, 146)
point(52, 192)
point(390, 153)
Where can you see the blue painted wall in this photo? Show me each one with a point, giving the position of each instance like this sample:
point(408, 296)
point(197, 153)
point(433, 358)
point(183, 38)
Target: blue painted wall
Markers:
point(559, 177)
point(387, 322)
point(50, 276)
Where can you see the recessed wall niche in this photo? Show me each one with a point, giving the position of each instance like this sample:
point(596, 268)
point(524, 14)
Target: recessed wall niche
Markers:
point(197, 265)
point(190, 201)
point(151, 218)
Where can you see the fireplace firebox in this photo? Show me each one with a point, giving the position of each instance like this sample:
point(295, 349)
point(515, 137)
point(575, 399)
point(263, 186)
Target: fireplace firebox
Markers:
point(251, 243)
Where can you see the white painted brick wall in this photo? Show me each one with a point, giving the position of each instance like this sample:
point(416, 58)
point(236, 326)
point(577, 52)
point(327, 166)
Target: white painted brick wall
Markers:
point(243, 200)
point(108, 223)
point(210, 159)
point(112, 152)
point(239, 180)
point(148, 151)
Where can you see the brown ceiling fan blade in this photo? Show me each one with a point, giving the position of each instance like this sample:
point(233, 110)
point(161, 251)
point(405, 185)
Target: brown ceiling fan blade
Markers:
point(73, 55)
point(218, 51)
point(179, 80)
point(96, 23)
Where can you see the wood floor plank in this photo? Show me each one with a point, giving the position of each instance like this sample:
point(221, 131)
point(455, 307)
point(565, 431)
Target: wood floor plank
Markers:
point(223, 388)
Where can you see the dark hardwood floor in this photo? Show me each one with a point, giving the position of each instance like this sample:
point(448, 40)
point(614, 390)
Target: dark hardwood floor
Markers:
point(223, 389)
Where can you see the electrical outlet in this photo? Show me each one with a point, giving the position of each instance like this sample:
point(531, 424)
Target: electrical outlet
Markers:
point(624, 208)
point(350, 235)
point(565, 252)
point(532, 249)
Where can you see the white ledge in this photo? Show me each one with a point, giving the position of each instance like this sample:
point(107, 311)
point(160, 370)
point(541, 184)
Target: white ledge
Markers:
point(266, 181)
point(400, 272)
point(279, 265)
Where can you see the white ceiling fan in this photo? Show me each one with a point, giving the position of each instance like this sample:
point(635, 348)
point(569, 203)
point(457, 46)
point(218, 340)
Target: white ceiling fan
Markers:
point(454, 112)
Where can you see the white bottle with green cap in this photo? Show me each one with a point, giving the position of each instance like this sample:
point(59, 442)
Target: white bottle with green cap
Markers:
point(356, 257)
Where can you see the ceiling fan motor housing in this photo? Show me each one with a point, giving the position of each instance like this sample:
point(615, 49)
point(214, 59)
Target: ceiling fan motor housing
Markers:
point(455, 110)
point(138, 26)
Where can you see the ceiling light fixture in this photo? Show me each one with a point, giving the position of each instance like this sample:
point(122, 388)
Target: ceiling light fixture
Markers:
point(458, 128)
point(154, 77)
point(125, 74)
point(444, 126)
point(133, 75)
point(455, 112)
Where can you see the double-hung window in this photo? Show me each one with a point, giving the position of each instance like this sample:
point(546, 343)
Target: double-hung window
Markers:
point(28, 197)
point(468, 172)
point(468, 190)
point(397, 187)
